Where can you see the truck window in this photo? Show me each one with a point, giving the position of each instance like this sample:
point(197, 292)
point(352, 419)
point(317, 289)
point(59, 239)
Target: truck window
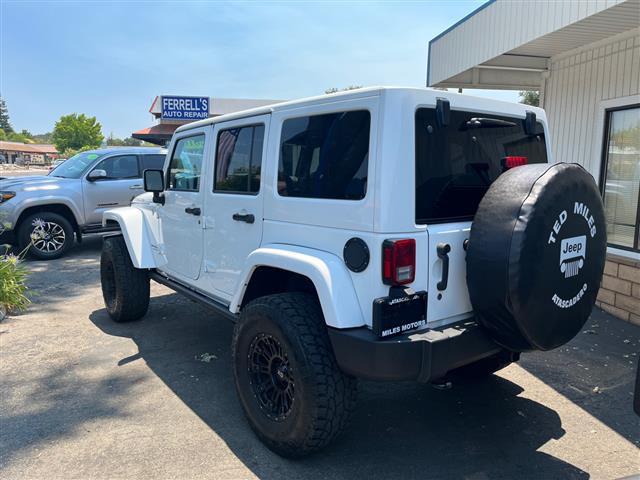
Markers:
point(186, 164)
point(456, 163)
point(239, 159)
point(151, 162)
point(325, 156)
point(119, 167)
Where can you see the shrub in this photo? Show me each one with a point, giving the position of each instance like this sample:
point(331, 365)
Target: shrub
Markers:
point(13, 286)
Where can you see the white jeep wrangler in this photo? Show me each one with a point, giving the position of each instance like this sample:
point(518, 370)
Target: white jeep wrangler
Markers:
point(383, 233)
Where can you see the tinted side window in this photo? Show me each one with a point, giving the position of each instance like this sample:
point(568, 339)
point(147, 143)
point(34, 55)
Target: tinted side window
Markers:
point(120, 167)
point(186, 164)
point(456, 163)
point(151, 162)
point(325, 156)
point(239, 159)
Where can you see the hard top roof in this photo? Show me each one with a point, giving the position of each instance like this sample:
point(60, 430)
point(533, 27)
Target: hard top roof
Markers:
point(345, 95)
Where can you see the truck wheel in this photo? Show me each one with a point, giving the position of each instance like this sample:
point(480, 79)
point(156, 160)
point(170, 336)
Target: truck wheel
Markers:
point(125, 289)
point(293, 393)
point(47, 235)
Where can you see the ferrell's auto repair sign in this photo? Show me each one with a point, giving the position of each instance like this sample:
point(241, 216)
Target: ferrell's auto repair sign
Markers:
point(185, 108)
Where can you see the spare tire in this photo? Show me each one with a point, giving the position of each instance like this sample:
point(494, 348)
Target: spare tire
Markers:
point(536, 255)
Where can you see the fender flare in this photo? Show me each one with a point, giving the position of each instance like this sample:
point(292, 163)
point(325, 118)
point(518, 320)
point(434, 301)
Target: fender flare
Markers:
point(326, 271)
point(137, 236)
point(48, 200)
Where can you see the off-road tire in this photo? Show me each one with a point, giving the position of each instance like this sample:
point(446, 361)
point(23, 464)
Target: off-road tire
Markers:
point(323, 396)
point(52, 221)
point(125, 289)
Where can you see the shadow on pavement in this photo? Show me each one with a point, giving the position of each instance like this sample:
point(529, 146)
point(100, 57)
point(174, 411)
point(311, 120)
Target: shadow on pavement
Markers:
point(406, 430)
point(60, 403)
point(596, 371)
point(49, 279)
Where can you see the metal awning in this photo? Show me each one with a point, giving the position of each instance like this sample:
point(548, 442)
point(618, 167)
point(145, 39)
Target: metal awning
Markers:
point(157, 134)
point(507, 45)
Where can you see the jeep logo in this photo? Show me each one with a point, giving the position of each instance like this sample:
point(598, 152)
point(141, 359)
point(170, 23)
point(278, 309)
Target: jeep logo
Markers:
point(572, 254)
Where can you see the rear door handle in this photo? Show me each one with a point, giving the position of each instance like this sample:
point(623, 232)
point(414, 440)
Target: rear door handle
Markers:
point(244, 217)
point(443, 250)
point(193, 211)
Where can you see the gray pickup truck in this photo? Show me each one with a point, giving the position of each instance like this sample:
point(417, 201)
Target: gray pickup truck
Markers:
point(48, 211)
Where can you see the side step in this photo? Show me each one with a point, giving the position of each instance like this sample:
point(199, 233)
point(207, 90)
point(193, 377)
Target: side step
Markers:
point(98, 228)
point(219, 308)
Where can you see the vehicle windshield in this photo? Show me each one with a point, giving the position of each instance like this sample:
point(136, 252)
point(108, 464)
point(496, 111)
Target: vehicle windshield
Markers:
point(76, 166)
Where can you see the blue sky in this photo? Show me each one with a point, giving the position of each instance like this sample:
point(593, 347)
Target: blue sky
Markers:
point(109, 59)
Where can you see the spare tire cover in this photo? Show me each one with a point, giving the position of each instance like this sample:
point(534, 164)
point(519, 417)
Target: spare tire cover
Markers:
point(536, 255)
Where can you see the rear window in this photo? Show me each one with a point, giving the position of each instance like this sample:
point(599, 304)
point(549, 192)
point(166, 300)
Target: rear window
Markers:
point(325, 156)
point(456, 163)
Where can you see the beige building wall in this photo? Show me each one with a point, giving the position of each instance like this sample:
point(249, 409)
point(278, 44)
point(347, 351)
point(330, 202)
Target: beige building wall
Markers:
point(581, 84)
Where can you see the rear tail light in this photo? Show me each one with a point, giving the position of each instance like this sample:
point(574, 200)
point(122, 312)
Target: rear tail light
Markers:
point(399, 261)
point(513, 161)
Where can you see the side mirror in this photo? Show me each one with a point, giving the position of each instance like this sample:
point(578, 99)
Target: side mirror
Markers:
point(154, 182)
point(96, 174)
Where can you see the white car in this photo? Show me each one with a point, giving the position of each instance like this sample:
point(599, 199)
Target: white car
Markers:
point(381, 233)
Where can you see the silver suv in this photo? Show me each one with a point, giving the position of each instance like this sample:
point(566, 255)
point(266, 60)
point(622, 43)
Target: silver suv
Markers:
point(47, 211)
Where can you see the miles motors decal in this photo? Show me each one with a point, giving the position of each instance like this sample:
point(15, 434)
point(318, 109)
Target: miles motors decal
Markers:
point(573, 251)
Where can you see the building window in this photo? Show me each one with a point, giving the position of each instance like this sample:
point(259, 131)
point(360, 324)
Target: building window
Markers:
point(621, 176)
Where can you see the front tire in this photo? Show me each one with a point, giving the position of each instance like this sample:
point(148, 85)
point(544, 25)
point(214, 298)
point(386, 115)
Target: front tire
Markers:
point(47, 235)
point(291, 389)
point(125, 289)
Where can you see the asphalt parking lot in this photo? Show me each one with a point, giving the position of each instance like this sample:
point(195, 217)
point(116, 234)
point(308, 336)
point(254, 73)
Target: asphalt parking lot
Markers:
point(83, 397)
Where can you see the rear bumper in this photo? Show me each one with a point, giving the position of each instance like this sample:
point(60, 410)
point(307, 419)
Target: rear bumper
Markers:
point(420, 356)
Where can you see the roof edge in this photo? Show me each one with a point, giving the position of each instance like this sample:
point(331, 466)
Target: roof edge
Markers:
point(476, 11)
point(442, 34)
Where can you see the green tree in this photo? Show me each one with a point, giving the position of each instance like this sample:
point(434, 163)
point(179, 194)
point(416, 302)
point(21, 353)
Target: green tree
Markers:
point(3, 135)
point(73, 132)
point(132, 142)
point(5, 124)
point(127, 142)
point(42, 137)
point(18, 137)
point(530, 97)
point(114, 141)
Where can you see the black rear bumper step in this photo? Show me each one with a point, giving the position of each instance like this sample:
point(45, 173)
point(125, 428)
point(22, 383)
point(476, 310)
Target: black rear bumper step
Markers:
point(419, 356)
point(218, 307)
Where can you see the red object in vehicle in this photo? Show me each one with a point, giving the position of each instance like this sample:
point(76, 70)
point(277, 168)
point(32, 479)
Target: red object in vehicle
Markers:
point(399, 261)
point(514, 161)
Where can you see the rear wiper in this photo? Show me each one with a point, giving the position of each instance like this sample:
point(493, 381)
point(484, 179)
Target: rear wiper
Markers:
point(479, 122)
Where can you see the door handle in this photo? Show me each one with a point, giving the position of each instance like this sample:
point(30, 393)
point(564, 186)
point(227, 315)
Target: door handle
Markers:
point(193, 211)
point(443, 250)
point(135, 187)
point(244, 217)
